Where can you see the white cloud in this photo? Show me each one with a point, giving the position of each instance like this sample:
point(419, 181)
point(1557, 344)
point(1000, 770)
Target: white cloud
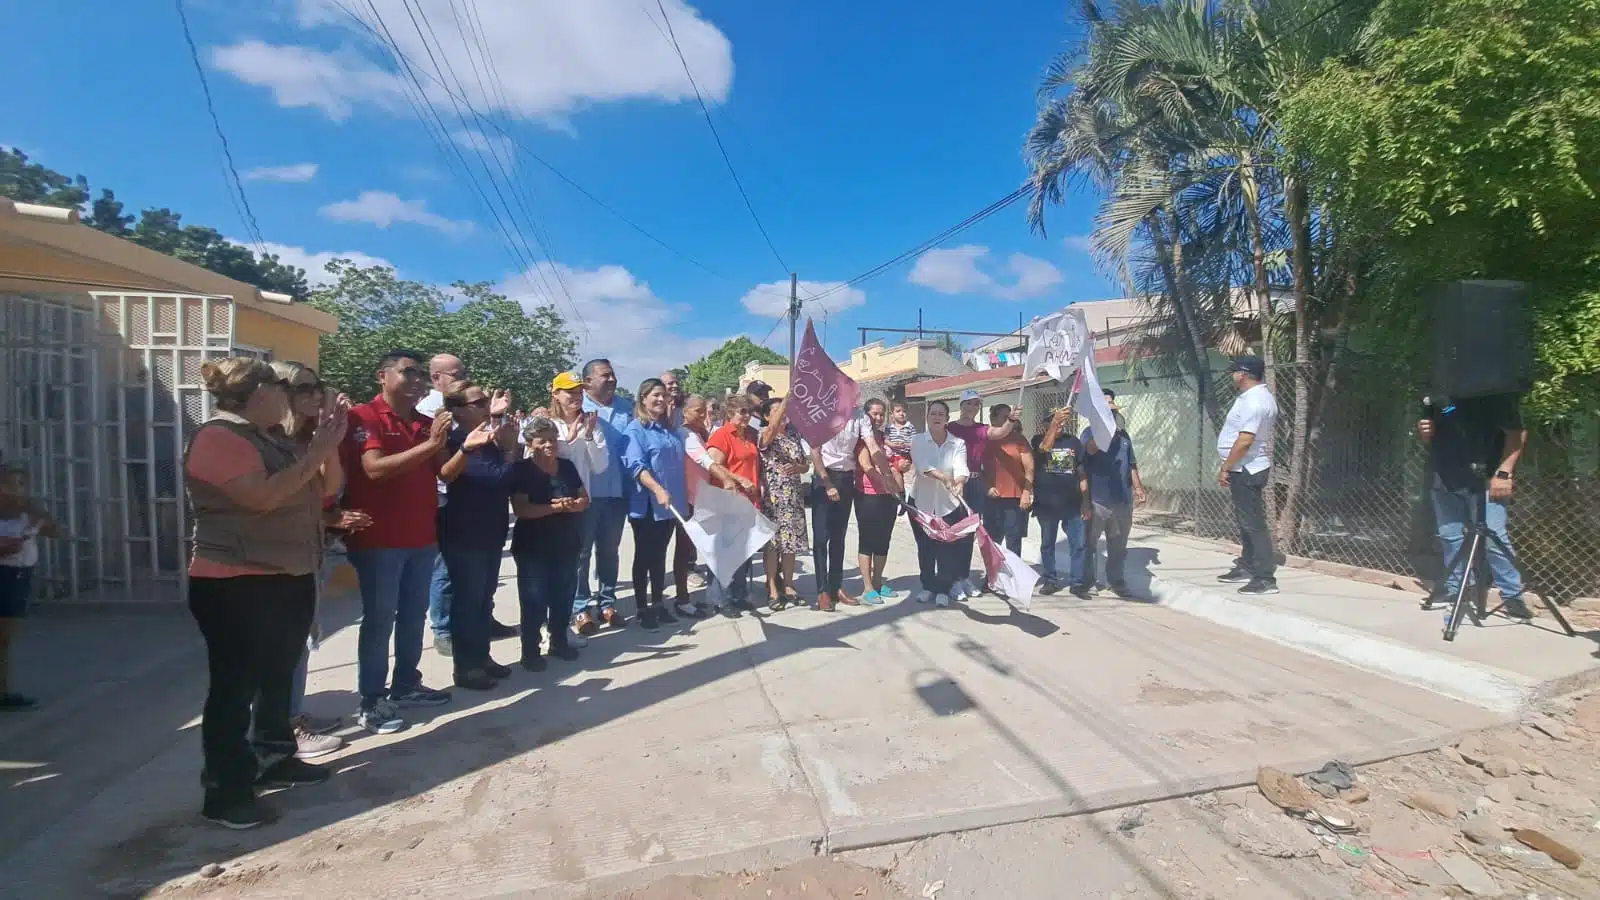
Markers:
point(316, 263)
point(383, 209)
point(421, 173)
point(552, 57)
point(772, 299)
point(296, 173)
point(497, 146)
point(624, 319)
point(955, 270)
point(1081, 243)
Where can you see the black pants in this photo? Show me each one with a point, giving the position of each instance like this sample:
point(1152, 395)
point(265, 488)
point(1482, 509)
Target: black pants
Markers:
point(830, 519)
point(255, 628)
point(1114, 522)
point(1250, 510)
point(939, 563)
point(650, 539)
point(1006, 521)
point(684, 557)
point(875, 515)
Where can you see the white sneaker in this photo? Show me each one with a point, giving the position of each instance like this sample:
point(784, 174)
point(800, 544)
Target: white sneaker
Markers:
point(958, 590)
point(924, 596)
point(686, 609)
point(976, 586)
point(380, 718)
point(941, 600)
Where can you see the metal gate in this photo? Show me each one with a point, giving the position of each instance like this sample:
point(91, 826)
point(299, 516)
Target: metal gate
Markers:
point(101, 394)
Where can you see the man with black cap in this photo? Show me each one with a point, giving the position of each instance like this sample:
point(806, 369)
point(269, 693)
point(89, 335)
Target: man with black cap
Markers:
point(1245, 445)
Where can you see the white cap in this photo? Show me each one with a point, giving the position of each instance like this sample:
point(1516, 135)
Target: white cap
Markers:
point(970, 394)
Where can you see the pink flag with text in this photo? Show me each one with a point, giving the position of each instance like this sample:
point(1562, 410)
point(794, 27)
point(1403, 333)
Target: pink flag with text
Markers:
point(822, 399)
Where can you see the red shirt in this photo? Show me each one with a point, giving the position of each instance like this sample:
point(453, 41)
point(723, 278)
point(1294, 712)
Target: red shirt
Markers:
point(739, 452)
point(403, 506)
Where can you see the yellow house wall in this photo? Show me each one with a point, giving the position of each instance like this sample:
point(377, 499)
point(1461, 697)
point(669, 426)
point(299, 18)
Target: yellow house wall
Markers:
point(871, 363)
point(777, 376)
point(286, 340)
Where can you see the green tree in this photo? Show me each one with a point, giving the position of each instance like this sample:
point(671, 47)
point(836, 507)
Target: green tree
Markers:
point(29, 182)
point(503, 345)
point(719, 371)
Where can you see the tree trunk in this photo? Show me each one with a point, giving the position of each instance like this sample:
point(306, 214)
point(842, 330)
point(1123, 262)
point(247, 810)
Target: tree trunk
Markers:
point(1169, 251)
point(1297, 207)
point(1263, 294)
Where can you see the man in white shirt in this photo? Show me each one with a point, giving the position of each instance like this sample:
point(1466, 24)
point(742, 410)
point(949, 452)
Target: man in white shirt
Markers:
point(1245, 445)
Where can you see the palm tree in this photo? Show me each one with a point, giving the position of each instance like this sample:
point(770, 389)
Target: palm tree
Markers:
point(1171, 110)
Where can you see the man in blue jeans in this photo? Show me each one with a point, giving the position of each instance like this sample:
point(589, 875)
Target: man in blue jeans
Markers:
point(1474, 446)
point(391, 462)
point(609, 491)
point(1060, 486)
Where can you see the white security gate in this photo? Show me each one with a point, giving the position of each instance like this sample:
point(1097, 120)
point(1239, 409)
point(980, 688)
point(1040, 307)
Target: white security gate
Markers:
point(101, 395)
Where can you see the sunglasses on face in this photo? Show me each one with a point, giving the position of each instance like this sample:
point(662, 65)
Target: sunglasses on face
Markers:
point(480, 403)
point(412, 374)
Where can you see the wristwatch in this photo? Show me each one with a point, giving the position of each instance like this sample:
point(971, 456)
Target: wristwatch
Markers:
point(1502, 474)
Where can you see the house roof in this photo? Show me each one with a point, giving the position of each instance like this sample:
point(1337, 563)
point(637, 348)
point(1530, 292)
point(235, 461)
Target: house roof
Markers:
point(47, 232)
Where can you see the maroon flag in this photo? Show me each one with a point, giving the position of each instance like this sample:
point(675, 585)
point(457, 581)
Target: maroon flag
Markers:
point(822, 399)
point(945, 532)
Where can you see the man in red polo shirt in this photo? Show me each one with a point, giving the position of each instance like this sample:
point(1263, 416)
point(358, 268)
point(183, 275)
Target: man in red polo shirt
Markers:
point(391, 461)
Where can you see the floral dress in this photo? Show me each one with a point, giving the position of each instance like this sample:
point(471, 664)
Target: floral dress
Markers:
point(781, 498)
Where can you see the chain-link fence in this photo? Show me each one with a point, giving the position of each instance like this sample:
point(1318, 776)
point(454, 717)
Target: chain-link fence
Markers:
point(1364, 499)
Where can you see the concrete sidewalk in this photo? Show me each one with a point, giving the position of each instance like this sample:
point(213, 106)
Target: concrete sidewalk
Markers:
point(720, 745)
point(1503, 665)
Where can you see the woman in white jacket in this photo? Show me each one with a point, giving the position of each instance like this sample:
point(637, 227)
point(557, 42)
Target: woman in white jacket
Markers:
point(578, 440)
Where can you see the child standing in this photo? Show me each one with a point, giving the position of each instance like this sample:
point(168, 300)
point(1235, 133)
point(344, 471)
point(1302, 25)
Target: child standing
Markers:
point(899, 432)
point(22, 522)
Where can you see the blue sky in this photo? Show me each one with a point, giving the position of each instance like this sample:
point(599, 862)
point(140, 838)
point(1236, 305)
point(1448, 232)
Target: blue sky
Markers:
point(859, 129)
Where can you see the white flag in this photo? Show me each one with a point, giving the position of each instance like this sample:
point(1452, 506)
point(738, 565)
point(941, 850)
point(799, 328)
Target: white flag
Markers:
point(1091, 405)
point(1060, 345)
point(1007, 572)
point(727, 529)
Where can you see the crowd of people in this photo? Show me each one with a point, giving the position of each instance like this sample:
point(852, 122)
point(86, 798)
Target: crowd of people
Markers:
point(422, 487)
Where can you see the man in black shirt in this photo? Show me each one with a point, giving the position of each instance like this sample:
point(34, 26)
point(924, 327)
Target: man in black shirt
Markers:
point(1059, 486)
point(1474, 446)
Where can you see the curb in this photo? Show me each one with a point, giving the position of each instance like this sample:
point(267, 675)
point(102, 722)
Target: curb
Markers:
point(1482, 686)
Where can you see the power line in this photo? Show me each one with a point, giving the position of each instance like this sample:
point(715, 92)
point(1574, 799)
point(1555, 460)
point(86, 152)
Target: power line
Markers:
point(706, 111)
point(246, 214)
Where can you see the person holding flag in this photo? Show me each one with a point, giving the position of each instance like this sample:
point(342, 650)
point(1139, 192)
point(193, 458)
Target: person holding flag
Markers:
point(655, 459)
point(877, 506)
point(976, 436)
point(733, 448)
point(939, 459)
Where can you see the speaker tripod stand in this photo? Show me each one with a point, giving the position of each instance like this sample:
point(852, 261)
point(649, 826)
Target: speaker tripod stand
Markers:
point(1476, 574)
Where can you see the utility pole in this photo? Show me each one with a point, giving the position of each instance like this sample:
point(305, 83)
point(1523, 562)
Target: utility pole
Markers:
point(794, 311)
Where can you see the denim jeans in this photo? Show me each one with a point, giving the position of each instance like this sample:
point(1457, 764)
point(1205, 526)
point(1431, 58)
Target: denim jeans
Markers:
point(1006, 521)
point(976, 496)
point(1456, 512)
point(737, 589)
point(1072, 524)
point(830, 521)
point(602, 528)
point(394, 601)
point(543, 585)
point(441, 596)
point(474, 575)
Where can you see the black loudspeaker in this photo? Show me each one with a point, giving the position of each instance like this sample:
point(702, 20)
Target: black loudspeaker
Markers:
point(1481, 339)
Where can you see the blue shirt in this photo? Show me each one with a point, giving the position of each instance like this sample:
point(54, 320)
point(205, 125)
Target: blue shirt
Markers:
point(477, 516)
point(660, 450)
point(1110, 470)
point(613, 421)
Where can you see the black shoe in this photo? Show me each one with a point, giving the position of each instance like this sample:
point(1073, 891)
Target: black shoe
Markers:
point(496, 670)
point(1260, 586)
point(17, 703)
point(1084, 591)
point(499, 631)
point(564, 651)
point(1516, 608)
point(444, 647)
point(241, 816)
point(1048, 586)
point(475, 680)
point(534, 663)
point(730, 610)
point(648, 620)
point(1234, 575)
point(664, 615)
point(291, 772)
point(1122, 592)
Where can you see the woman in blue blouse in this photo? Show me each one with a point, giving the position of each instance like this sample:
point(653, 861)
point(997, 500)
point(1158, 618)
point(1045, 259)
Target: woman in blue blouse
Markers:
point(479, 473)
point(655, 458)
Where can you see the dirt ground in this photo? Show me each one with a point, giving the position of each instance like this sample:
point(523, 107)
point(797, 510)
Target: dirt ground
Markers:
point(1456, 822)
